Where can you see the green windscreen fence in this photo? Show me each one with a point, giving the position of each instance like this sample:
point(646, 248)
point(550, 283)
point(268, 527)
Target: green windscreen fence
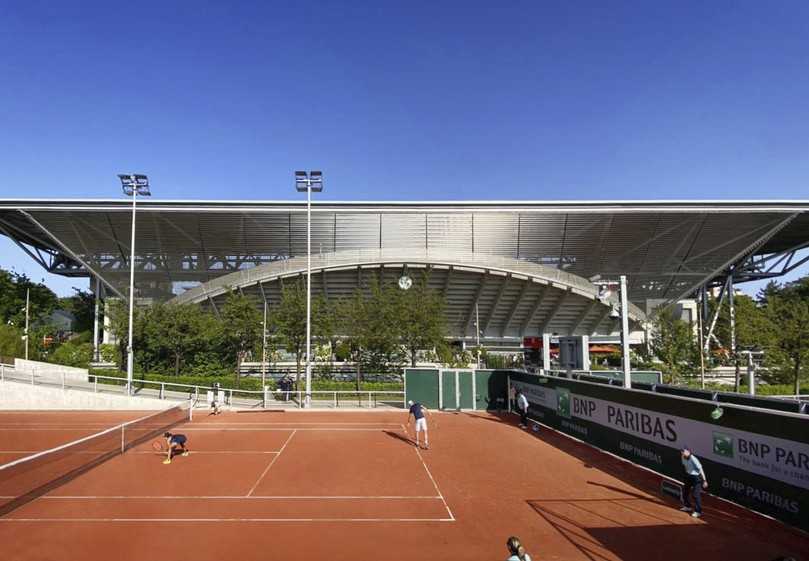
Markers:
point(421, 385)
point(466, 390)
point(448, 389)
point(452, 389)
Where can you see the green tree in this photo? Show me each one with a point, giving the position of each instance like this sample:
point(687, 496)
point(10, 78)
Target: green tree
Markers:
point(420, 318)
point(241, 327)
point(179, 331)
point(787, 343)
point(674, 345)
point(11, 342)
point(13, 287)
point(373, 322)
point(73, 353)
point(117, 311)
point(750, 328)
point(288, 322)
point(82, 305)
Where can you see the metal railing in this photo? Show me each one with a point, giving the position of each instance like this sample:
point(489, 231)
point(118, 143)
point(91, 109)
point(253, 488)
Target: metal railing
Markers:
point(801, 397)
point(231, 397)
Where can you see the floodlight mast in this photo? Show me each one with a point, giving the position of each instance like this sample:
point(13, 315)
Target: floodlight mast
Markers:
point(133, 184)
point(308, 181)
point(624, 316)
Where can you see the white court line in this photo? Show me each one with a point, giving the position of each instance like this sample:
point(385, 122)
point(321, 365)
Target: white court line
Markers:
point(437, 490)
point(194, 452)
point(294, 423)
point(151, 520)
point(198, 452)
point(11, 426)
point(278, 455)
point(239, 497)
point(53, 429)
point(378, 429)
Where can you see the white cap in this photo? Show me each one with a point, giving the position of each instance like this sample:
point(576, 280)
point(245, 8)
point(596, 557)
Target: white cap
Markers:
point(410, 402)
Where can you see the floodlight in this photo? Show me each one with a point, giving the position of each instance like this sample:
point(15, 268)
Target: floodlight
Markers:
point(135, 183)
point(312, 181)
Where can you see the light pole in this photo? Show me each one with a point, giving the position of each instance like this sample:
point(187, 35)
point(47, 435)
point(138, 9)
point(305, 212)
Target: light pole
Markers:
point(133, 184)
point(625, 334)
point(477, 332)
point(311, 181)
point(27, 307)
point(604, 288)
point(264, 352)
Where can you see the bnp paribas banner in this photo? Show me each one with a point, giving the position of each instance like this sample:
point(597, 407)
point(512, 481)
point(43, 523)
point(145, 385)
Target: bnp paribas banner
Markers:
point(765, 472)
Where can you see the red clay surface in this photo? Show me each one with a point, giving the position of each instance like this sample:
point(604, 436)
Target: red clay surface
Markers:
point(23, 433)
point(340, 485)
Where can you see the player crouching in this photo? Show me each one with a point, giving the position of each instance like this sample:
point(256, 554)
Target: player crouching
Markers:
point(176, 445)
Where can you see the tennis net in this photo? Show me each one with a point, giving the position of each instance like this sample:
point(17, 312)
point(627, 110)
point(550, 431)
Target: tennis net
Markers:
point(25, 479)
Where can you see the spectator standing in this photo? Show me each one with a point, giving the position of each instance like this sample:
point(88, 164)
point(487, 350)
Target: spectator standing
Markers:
point(522, 407)
point(695, 482)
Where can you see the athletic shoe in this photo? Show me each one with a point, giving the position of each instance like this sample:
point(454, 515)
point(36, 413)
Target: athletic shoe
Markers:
point(696, 514)
point(686, 509)
point(185, 454)
point(426, 446)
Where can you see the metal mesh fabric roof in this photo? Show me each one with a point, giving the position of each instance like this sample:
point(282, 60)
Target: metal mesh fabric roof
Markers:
point(666, 248)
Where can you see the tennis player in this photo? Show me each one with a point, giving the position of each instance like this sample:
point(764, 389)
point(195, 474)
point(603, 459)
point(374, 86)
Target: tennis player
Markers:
point(417, 411)
point(695, 482)
point(175, 444)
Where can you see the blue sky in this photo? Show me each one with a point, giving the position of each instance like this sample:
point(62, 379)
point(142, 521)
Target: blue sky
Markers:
point(404, 100)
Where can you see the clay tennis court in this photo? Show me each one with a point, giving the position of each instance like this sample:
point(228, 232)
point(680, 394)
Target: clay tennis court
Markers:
point(348, 485)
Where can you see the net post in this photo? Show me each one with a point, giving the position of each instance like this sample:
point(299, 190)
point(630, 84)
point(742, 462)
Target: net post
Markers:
point(162, 390)
point(122, 439)
point(191, 411)
point(196, 392)
point(335, 400)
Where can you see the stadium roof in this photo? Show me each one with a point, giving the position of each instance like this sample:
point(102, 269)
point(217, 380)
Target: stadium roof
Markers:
point(667, 248)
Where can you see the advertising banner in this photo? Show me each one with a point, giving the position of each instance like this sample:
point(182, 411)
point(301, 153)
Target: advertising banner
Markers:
point(762, 469)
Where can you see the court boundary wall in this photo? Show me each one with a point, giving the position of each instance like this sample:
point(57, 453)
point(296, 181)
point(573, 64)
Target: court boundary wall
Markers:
point(754, 457)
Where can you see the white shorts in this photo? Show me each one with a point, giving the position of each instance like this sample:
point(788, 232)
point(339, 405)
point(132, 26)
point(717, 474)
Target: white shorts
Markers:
point(421, 424)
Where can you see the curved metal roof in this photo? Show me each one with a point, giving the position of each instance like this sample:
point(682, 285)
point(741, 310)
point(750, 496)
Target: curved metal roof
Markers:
point(513, 298)
point(667, 248)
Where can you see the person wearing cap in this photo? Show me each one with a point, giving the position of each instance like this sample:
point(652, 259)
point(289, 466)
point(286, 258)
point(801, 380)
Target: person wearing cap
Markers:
point(695, 482)
point(417, 411)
